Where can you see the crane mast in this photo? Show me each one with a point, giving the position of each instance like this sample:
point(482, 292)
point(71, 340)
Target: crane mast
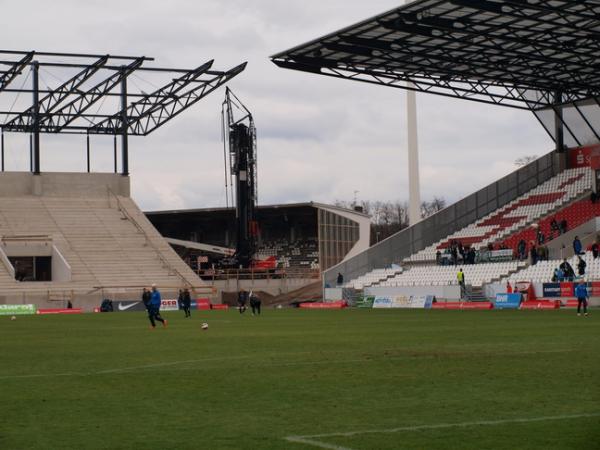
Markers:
point(239, 136)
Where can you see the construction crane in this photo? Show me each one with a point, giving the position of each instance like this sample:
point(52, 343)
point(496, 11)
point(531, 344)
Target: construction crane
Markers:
point(239, 153)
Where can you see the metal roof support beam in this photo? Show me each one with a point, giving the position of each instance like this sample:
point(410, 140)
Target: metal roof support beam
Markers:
point(15, 70)
point(68, 113)
point(138, 108)
point(57, 96)
point(168, 107)
point(35, 152)
point(124, 124)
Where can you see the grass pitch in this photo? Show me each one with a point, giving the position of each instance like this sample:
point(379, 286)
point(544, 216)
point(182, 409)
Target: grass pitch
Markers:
point(291, 379)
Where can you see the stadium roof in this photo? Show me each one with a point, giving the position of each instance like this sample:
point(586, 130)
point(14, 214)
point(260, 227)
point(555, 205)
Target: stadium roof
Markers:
point(530, 54)
point(63, 104)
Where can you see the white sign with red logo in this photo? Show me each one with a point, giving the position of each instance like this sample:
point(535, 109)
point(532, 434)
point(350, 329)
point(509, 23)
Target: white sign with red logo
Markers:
point(169, 305)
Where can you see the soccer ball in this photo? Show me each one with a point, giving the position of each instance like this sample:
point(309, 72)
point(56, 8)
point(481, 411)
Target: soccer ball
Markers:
point(205, 326)
point(13, 318)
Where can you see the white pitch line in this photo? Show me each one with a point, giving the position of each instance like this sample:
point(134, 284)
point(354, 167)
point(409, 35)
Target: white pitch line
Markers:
point(42, 375)
point(314, 439)
point(273, 364)
point(168, 364)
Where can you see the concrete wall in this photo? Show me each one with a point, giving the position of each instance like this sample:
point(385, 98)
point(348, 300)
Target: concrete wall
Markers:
point(587, 234)
point(274, 286)
point(27, 248)
point(61, 269)
point(449, 292)
point(59, 184)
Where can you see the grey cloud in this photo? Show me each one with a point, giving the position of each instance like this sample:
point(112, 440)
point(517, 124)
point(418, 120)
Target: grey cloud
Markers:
point(320, 138)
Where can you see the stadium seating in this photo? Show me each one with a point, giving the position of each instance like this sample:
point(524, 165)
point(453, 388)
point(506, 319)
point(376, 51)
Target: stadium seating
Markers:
point(543, 271)
point(106, 242)
point(300, 254)
point(375, 277)
point(475, 275)
point(575, 214)
point(523, 211)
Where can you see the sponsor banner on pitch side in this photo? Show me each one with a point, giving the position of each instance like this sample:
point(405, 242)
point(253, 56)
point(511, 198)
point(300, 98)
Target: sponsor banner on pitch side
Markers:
point(382, 302)
point(413, 302)
point(403, 302)
point(169, 305)
point(551, 290)
point(17, 310)
point(129, 305)
point(508, 301)
point(567, 289)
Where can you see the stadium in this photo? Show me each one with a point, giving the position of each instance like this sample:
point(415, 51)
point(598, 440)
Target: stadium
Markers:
point(474, 327)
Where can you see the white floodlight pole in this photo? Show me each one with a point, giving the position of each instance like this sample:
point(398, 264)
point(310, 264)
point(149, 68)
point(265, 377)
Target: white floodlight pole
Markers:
point(414, 191)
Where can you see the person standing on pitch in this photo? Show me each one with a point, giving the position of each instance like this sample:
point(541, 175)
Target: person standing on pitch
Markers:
point(146, 295)
point(186, 302)
point(242, 299)
point(154, 309)
point(254, 303)
point(582, 297)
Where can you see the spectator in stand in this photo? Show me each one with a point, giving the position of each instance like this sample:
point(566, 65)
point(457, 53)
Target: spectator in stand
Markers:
point(490, 247)
point(454, 253)
point(558, 276)
point(438, 257)
point(540, 236)
point(567, 270)
point(522, 249)
point(593, 197)
point(541, 251)
point(554, 226)
point(340, 279)
point(577, 247)
point(461, 251)
point(472, 255)
point(581, 265)
point(534, 254)
point(595, 250)
point(582, 297)
point(563, 226)
point(509, 288)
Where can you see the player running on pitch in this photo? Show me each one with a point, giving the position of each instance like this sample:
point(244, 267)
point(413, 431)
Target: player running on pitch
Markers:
point(154, 308)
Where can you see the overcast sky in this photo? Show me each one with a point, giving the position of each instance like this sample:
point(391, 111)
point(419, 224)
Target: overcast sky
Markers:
point(320, 138)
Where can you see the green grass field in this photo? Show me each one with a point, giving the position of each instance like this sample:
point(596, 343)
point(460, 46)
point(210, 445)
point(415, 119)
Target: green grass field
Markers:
point(291, 379)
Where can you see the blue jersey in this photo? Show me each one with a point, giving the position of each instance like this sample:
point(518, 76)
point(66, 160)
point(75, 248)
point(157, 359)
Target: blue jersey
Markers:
point(581, 291)
point(155, 299)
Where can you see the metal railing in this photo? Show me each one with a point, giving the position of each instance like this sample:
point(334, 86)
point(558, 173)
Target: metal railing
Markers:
point(258, 274)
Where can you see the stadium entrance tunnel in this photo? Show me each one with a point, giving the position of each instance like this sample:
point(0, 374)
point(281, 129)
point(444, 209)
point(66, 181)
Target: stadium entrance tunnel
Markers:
point(33, 258)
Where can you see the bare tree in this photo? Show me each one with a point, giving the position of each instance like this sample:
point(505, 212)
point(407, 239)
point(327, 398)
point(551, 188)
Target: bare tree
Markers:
point(430, 208)
point(524, 160)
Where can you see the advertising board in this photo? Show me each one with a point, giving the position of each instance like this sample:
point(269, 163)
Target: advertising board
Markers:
point(551, 290)
point(508, 301)
point(17, 310)
point(403, 302)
